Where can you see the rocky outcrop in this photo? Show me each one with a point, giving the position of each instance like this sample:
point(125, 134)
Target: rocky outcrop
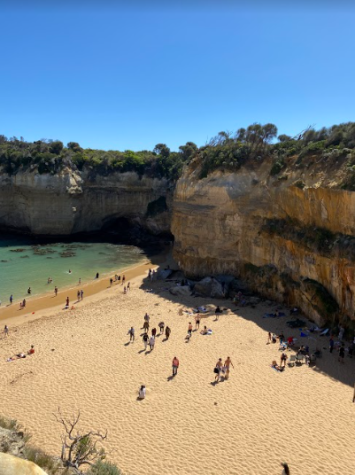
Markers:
point(73, 202)
point(290, 243)
point(11, 465)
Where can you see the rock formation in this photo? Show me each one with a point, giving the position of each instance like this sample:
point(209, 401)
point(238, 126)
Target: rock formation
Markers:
point(290, 243)
point(72, 202)
point(11, 465)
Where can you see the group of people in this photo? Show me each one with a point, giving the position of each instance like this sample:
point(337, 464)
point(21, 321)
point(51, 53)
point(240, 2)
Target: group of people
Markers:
point(149, 340)
point(222, 370)
point(22, 354)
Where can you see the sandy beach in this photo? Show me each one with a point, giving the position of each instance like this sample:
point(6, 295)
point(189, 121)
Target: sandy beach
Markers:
point(186, 425)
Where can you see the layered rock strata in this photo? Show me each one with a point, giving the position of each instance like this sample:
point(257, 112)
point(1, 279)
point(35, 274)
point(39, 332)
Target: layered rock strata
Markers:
point(291, 244)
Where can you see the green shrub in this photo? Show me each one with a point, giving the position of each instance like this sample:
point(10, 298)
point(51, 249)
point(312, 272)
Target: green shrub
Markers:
point(41, 459)
point(104, 468)
point(277, 167)
point(9, 424)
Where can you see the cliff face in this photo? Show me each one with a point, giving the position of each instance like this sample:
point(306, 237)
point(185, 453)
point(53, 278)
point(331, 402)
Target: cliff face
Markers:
point(73, 202)
point(290, 244)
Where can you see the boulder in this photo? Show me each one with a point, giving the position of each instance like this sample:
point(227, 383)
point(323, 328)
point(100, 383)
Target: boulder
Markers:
point(11, 465)
point(163, 274)
point(180, 290)
point(209, 287)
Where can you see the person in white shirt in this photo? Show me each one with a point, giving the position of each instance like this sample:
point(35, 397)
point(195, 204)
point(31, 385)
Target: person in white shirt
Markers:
point(141, 392)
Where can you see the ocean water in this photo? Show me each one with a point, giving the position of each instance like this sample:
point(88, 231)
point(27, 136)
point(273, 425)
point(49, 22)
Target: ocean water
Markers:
point(25, 263)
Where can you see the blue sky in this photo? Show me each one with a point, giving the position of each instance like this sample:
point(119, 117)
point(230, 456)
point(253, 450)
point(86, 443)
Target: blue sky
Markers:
point(119, 78)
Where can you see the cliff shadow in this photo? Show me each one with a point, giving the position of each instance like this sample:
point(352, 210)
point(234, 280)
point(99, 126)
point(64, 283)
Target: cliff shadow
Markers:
point(327, 363)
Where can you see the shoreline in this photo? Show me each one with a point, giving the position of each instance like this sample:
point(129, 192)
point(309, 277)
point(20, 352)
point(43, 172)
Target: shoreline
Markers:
point(47, 303)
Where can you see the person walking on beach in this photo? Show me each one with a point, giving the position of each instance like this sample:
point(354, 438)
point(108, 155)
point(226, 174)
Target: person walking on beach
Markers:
point(268, 338)
point(145, 340)
point(161, 327)
point(286, 470)
point(189, 329)
point(151, 343)
point(55, 290)
point(227, 365)
point(6, 331)
point(146, 326)
point(217, 312)
point(67, 302)
point(23, 303)
point(217, 370)
point(111, 281)
point(123, 279)
point(175, 365)
point(131, 334)
point(167, 333)
point(78, 294)
point(197, 321)
point(154, 332)
point(11, 299)
point(128, 286)
point(81, 294)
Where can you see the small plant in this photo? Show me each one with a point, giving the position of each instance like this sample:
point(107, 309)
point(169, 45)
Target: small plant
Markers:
point(104, 468)
point(79, 449)
point(9, 424)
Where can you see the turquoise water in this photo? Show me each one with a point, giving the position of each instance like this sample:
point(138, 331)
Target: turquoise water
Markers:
point(25, 263)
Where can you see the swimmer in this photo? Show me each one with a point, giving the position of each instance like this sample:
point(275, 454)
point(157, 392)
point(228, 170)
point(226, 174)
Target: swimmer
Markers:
point(69, 271)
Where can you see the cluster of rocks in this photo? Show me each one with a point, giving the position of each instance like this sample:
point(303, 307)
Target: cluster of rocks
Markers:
point(219, 287)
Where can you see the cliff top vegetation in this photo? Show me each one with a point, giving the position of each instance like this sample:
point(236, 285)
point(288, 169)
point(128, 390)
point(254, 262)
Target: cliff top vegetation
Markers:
point(226, 151)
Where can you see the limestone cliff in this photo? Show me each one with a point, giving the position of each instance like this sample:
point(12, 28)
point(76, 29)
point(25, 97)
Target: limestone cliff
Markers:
point(72, 202)
point(289, 236)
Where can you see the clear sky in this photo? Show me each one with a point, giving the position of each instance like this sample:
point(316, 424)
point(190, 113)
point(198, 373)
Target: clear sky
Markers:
point(118, 78)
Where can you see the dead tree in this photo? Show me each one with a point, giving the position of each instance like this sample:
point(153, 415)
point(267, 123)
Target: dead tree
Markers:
point(78, 448)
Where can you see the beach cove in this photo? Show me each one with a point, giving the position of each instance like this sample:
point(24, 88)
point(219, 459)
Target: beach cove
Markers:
point(246, 425)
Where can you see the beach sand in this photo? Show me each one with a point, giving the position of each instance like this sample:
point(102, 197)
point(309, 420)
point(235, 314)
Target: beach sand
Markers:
point(246, 425)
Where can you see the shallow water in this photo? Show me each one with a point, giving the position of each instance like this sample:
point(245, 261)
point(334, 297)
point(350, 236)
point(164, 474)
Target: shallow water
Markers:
point(25, 263)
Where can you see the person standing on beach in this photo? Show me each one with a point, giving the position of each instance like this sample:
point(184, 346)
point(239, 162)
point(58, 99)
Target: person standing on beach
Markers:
point(111, 281)
point(146, 326)
point(218, 369)
point(189, 329)
point(145, 338)
point(78, 294)
point(131, 334)
point(23, 303)
point(161, 327)
point(154, 332)
point(167, 333)
point(81, 294)
point(227, 365)
point(55, 290)
point(6, 331)
point(67, 302)
point(151, 343)
point(175, 365)
point(128, 286)
point(11, 299)
point(197, 321)
point(123, 279)
point(217, 312)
